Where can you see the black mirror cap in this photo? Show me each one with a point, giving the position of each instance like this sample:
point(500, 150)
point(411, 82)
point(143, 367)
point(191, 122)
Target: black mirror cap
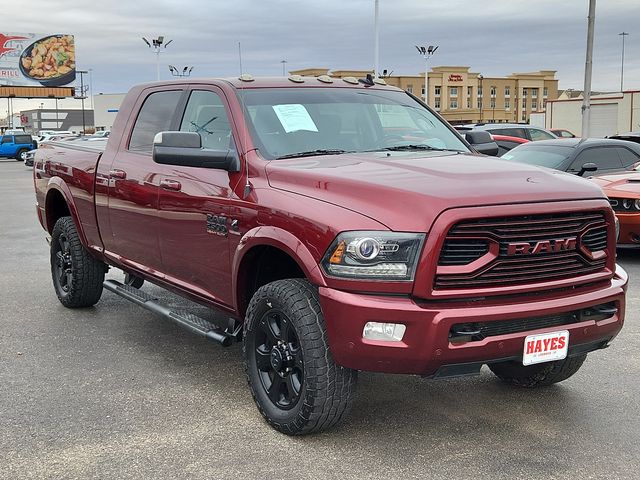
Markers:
point(587, 167)
point(482, 142)
point(185, 149)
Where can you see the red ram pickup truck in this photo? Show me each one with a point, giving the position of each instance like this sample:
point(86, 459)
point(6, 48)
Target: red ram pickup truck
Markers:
point(342, 226)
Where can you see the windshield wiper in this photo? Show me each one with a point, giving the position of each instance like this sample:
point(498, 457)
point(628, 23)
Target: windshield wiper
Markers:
point(400, 148)
point(312, 153)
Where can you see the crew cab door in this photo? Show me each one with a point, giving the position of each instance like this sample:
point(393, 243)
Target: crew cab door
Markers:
point(194, 204)
point(132, 179)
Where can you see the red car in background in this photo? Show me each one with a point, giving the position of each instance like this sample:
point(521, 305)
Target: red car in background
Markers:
point(623, 190)
point(507, 142)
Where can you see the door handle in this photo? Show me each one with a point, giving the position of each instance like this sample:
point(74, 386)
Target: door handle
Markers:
point(173, 185)
point(115, 173)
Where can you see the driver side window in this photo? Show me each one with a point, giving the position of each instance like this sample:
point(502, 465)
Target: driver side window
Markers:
point(205, 114)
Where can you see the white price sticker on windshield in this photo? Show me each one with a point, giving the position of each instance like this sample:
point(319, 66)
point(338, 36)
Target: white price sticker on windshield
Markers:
point(294, 117)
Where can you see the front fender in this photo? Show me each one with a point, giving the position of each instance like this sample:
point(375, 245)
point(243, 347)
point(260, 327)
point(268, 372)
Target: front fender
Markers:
point(283, 240)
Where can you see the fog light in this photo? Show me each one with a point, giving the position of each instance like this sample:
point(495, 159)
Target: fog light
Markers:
point(386, 332)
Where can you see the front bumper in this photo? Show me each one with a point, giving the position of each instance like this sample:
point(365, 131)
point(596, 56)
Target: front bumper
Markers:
point(426, 349)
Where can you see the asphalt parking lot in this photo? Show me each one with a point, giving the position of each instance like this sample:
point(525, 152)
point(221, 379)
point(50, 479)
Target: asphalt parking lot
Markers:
point(115, 392)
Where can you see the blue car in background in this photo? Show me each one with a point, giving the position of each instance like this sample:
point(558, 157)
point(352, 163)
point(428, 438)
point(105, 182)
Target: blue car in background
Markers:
point(16, 146)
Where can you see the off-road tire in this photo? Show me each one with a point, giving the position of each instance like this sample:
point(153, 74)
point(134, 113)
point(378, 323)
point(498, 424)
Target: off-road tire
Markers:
point(83, 287)
point(19, 153)
point(539, 375)
point(327, 390)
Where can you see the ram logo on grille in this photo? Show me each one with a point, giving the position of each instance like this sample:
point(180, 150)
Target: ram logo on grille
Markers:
point(543, 246)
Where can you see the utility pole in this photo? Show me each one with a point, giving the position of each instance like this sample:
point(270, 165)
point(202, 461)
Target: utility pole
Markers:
point(376, 42)
point(586, 101)
point(623, 34)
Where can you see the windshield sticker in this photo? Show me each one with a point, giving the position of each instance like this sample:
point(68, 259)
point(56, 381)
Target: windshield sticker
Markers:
point(294, 117)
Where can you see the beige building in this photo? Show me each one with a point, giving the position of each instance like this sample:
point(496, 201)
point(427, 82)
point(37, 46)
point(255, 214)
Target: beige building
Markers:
point(461, 96)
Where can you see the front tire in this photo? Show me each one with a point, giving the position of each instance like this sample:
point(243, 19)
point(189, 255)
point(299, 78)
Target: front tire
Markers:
point(77, 276)
point(539, 375)
point(292, 376)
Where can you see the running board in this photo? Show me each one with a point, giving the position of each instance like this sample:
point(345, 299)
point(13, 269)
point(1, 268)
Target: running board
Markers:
point(187, 320)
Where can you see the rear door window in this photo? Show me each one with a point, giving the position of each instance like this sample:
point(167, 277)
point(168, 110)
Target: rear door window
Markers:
point(606, 158)
point(23, 139)
point(627, 156)
point(511, 132)
point(155, 116)
point(540, 134)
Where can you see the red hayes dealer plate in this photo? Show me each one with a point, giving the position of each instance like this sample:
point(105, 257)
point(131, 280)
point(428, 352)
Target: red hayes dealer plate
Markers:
point(545, 347)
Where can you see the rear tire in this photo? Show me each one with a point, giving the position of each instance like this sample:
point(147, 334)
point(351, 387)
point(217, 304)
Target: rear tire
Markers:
point(77, 276)
point(292, 376)
point(540, 375)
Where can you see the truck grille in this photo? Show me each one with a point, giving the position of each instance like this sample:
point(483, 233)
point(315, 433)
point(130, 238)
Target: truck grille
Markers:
point(520, 250)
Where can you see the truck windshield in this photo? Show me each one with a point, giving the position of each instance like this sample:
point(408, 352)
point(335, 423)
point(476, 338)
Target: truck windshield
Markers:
point(291, 122)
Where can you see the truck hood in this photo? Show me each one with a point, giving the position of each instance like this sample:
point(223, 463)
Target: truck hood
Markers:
point(621, 183)
point(406, 191)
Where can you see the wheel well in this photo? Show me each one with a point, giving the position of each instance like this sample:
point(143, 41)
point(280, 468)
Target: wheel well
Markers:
point(55, 207)
point(262, 265)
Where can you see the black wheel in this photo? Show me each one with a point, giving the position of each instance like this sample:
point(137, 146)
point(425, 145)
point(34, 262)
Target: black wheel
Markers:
point(133, 281)
point(540, 375)
point(293, 379)
point(77, 276)
point(21, 155)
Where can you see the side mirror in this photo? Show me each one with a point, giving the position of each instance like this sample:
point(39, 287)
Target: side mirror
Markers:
point(482, 142)
point(587, 167)
point(185, 149)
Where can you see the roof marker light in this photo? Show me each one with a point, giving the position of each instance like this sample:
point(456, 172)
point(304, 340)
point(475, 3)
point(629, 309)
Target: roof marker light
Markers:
point(351, 80)
point(325, 79)
point(245, 77)
point(296, 78)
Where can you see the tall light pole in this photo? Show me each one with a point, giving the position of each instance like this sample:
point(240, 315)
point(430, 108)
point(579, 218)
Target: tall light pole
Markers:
point(480, 95)
point(588, 66)
point(156, 46)
point(284, 66)
point(83, 90)
point(426, 53)
point(622, 34)
point(376, 40)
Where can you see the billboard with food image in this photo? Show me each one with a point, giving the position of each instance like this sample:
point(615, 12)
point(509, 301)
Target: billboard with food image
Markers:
point(32, 59)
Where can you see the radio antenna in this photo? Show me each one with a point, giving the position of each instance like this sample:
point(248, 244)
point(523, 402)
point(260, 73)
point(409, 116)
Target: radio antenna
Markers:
point(247, 185)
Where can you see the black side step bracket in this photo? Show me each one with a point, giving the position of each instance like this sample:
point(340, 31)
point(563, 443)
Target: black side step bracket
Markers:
point(187, 320)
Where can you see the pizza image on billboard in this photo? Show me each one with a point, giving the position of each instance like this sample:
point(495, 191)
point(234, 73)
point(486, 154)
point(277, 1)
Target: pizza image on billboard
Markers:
point(31, 59)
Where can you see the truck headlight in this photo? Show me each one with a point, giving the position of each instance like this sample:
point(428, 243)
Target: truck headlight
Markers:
point(374, 255)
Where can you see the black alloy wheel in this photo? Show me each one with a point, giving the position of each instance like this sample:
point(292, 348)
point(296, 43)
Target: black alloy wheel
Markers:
point(279, 360)
point(63, 264)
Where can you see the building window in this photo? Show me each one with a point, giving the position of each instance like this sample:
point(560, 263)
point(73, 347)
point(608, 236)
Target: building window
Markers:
point(524, 104)
point(436, 103)
point(524, 116)
point(534, 105)
point(410, 88)
point(507, 92)
point(507, 103)
point(534, 93)
point(545, 92)
point(453, 104)
point(468, 102)
point(494, 91)
point(524, 92)
point(492, 104)
point(422, 91)
point(544, 104)
point(469, 91)
point(437, 90)
point(453, 92)
point(480, 91)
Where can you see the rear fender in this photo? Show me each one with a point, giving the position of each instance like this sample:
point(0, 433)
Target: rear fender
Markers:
point(56, 184)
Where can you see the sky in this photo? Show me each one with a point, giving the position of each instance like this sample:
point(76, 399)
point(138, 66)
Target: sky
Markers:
point(493, 37)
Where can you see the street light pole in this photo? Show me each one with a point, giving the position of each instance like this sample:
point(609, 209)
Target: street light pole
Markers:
point(426, 53)
point(480, 95)
point(185, 72)
point(623, 34)
point(376, 41)
point(82, 97)
point(588, 66)
point(155, 46)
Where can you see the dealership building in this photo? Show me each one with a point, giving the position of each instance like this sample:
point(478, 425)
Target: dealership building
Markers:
point(462, 96)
